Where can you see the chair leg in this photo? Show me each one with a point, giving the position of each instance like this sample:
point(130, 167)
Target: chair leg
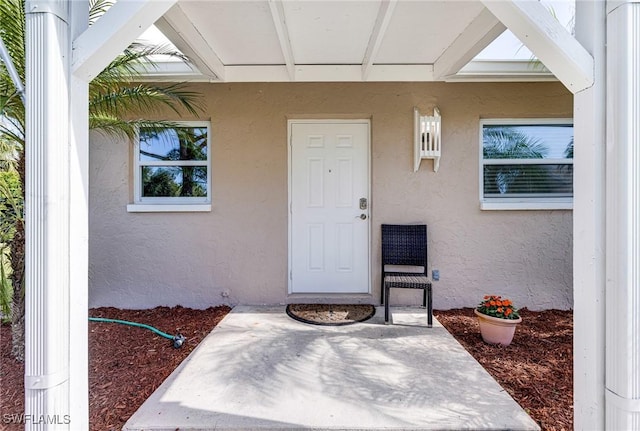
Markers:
point(429, 308)
point(424, 297)
point(382, 301)
point(386, 304)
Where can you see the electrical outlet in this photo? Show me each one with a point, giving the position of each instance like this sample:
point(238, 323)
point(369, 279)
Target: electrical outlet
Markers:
point(435, 274)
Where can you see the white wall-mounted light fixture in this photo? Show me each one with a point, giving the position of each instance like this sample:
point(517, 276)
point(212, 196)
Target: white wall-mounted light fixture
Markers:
point(427, 138)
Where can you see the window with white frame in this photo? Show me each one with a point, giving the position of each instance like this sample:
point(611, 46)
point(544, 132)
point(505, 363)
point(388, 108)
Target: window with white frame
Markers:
point(526, 163)
point(173, 168)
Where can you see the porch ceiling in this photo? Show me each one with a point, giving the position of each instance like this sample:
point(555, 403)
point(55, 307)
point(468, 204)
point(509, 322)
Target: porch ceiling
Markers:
point(329, 40)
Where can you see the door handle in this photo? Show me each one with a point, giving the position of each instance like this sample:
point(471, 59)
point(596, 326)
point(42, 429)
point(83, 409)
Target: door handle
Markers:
point(362, 216)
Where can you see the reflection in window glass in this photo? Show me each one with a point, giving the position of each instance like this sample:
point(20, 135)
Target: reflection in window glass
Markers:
point(179, 143)
point(528, 180)
point(527, 159)
point(539, 141)
point(184, 181)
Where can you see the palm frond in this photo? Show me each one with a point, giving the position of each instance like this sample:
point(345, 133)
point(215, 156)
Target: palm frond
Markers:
point(12, 31)
point(507, 143)
point(8, 154)
point(12, 110)
point(110, 93)
point(137, 59)
point(113, 126)
point(142, 99)
point(568, 151)
point(97, 8)
point(12, 134)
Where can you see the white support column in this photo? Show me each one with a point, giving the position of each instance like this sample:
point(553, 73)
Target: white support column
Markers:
point(48, 46)
point(623, 216)
point(79, 234)
point(589, 226)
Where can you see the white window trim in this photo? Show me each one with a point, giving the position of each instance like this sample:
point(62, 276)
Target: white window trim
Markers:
point(171, 204)
point(157, 208)
point(511, 203)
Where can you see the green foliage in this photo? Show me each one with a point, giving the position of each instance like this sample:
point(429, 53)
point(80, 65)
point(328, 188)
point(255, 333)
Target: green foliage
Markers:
point(10, 203)
point(496, 306)
point(6, 289)
point(11, 206)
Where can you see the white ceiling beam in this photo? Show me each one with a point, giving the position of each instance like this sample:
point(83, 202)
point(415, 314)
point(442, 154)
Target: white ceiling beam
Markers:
point(179, 29)
point(556, 48)
point(331, 73)
point(114, 31)
point(377, 35)
point(477, 36)
point(277, 13)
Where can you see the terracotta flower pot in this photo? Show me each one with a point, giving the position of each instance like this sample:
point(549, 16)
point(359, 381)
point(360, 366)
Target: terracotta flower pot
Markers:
point(495, 330)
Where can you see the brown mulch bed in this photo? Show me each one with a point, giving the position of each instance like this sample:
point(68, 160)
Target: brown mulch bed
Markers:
point(536, 369)
point(126, 364)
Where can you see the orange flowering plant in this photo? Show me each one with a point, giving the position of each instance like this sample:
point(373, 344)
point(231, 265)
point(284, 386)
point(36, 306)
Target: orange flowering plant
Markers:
point(495, 306)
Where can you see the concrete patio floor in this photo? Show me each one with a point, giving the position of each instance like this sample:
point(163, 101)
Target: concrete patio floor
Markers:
point(261, 370)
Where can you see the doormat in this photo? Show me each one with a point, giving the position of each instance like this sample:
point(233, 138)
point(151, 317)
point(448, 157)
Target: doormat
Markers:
point(331, 314)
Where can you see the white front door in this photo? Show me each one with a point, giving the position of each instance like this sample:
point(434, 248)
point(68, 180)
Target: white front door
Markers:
point(329, 207)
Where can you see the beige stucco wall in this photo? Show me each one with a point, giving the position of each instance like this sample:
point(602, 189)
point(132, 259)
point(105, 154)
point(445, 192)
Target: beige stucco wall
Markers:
point(239, 249)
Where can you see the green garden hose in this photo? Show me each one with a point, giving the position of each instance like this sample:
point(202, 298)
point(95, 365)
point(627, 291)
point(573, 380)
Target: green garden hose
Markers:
point(178, 339)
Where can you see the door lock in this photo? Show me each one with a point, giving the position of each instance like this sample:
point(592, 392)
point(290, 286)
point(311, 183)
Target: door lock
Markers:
point(363, 203)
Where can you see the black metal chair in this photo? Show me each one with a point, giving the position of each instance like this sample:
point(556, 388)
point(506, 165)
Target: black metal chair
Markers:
point(404, 263)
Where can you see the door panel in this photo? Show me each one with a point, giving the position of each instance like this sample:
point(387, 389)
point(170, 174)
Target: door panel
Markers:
point(329, 249)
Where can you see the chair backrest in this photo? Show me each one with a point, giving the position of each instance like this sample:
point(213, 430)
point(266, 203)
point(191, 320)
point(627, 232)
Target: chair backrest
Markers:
point(404, 245)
